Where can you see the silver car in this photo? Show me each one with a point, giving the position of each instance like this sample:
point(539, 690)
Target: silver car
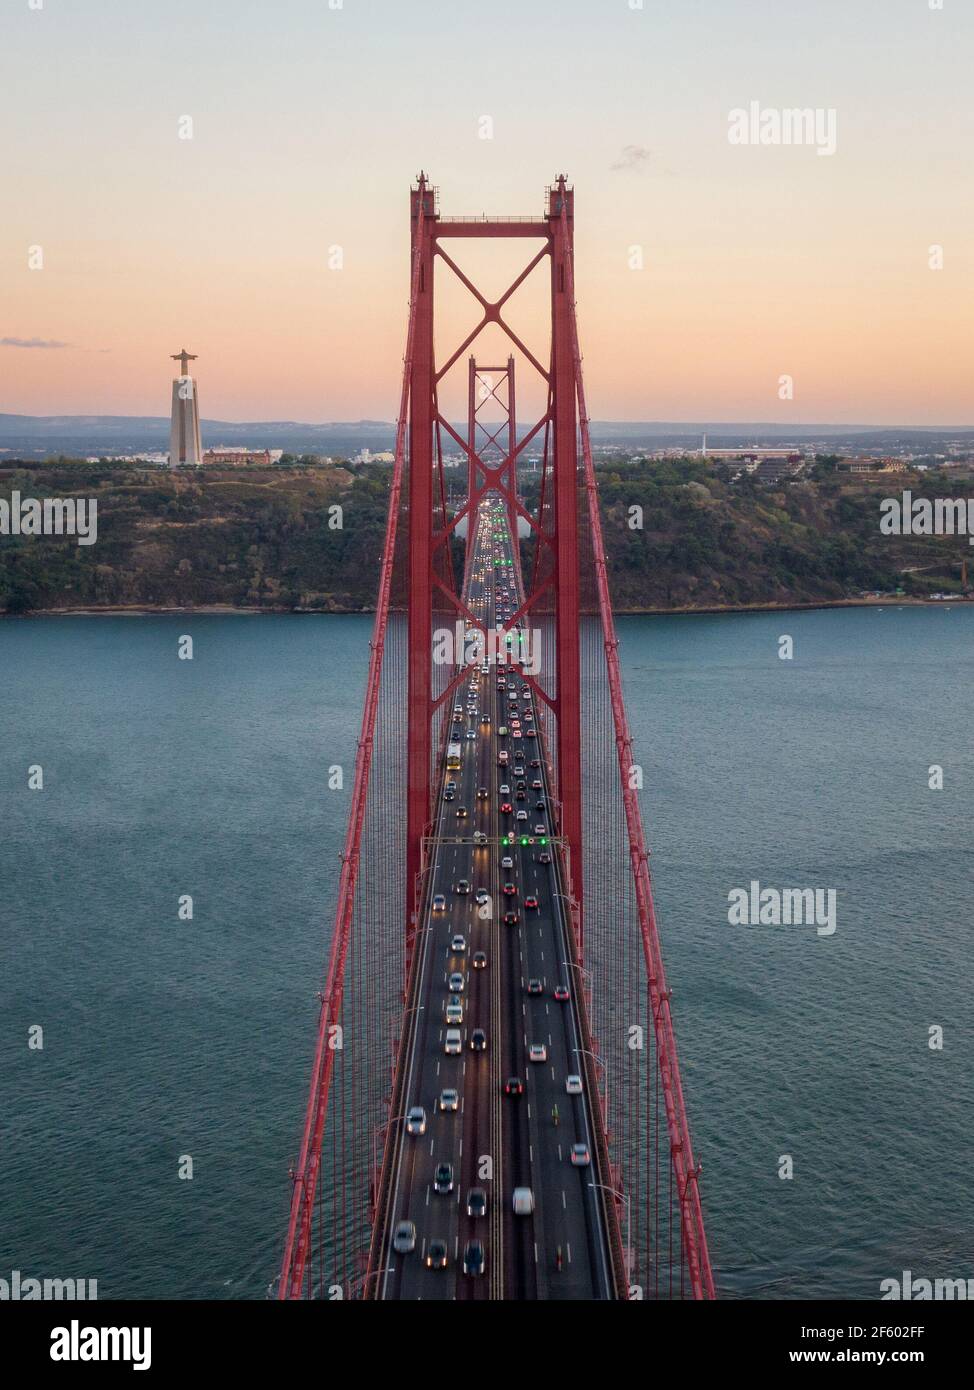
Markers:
point(404, 1241)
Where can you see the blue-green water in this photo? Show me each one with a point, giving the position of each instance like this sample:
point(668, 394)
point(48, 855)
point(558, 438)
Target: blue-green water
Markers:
point(165, 1037)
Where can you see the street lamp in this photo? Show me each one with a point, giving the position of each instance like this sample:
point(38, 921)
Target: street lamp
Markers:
point(586, 1052)
point(622, 1197)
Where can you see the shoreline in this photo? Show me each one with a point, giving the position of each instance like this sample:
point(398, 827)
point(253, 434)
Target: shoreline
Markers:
point(222, 610)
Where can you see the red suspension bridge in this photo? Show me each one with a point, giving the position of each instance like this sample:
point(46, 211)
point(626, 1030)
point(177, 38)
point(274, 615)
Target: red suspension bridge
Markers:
point(495, 1107)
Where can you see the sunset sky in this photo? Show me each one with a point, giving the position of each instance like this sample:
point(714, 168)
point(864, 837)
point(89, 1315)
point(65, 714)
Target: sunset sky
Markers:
point(309, 123)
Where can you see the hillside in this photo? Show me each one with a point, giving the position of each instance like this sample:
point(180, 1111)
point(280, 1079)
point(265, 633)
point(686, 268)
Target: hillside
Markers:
point(261, 538)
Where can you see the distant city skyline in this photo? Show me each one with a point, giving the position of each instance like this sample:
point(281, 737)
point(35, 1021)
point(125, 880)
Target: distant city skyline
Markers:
point(760, 263)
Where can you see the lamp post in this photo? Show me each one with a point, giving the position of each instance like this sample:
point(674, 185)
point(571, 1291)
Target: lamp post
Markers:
point(622, 1197)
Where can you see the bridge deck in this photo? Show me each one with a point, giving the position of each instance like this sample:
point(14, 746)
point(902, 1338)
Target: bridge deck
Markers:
point(495, 1141)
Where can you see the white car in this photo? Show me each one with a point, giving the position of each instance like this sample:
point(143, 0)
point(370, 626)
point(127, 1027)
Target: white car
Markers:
point(453, 1013)
point(439, 902)
point(455, 983)
point(573, 1085)
point(416, 1121)
point(537, 1052)
point(523, 1201)
point(404, 1241)
point(449, 1099)
point(507, 862)
point(522, 815)
point(453, 1043)
point(458, 945)
point(504, 789)
point(482, 896)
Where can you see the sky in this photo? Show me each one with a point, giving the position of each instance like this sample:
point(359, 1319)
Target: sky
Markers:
point(760, 263)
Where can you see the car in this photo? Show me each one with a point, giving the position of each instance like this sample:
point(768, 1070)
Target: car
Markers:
point(522, 1199)
point(544, 857)
point(514, 1086)
point(522, 815)
point(573, 1085)
point(482, 793)
point(531, 901)
point(458, 945)
point(511, 919)
point(474, 1259)
point(535, 762)
point(436, 1255)
point(479, 961)
point(439, 902)
point(471, 733)
point(416, 1121)
point(561, 993)
point(510, 890)
point(453, 1010)
point(507, 862)
point(449, 795)
point(537, 784)
point(520, 796)
point(443, 1178)
point(455, 983)
point(449, 1099)
point(539, 829)
point(537, 1052)
point(502, 731)
point(506, 808)
point(404, 1241)
point(535, 986)
point(463, 885)
point(452, 1043)
point(478, 1040)
point(476, 1202)
point(461, 813)
point(504, 789)
point(581, 1158)
point(482, 896)
point(480, 837)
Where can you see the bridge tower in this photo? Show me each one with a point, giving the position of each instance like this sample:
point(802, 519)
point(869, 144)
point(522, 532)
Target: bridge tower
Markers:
point(554, 586)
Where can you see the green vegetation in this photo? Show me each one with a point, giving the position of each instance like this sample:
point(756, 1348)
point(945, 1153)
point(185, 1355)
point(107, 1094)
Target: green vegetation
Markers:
point(266, 538)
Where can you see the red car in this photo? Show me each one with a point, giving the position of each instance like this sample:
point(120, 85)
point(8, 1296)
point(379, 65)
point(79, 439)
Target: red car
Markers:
point(506, 808)
point(510, 919)
point(561, 993)
point(510, 889)
point(514, 1086)
point(531, 901)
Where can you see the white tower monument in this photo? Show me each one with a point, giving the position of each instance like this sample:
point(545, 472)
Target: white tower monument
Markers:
point(185, 449)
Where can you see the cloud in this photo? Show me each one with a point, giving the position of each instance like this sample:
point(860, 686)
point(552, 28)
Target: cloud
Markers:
point(639, 159)
point(636, 157)
point(32, 343)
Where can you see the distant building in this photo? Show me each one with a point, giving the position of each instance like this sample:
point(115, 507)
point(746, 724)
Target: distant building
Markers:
point(775, 470)
point(871, 465)
point(237, 458)
point(185, 449)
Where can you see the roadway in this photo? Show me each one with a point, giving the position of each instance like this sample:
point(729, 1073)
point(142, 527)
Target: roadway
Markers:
point(495, 1141)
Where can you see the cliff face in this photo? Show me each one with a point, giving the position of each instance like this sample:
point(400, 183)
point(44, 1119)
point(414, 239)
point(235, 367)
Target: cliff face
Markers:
point(271, 538)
